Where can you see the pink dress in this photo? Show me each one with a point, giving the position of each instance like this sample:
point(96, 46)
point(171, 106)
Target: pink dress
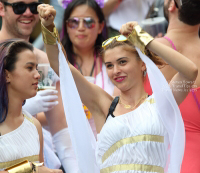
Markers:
point(191, 117)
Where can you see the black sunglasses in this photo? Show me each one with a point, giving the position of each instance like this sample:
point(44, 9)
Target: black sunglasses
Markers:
point(20, 7)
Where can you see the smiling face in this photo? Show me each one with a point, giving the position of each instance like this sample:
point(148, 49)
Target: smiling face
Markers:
point(124, 68)
point(83, 37)
point(19, 26)
point(22, 81)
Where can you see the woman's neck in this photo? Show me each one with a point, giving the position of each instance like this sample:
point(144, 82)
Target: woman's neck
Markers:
point(84, 54)
point(133, 95)
point(14, 106)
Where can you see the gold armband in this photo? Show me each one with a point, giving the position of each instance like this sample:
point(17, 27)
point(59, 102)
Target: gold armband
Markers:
point(50, 37)
point(140, 38)
point(22, 167)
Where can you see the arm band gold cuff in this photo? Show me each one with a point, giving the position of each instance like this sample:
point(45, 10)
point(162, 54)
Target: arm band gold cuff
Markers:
point(22, 167)
point(50, 37)
point(140, 38)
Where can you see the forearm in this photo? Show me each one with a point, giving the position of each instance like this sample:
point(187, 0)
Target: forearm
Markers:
point(186, 68)
point(109, 7)
point(56, 117)
point(52, 53)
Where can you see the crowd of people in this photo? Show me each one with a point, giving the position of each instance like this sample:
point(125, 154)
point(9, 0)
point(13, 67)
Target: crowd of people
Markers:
point(124, 101)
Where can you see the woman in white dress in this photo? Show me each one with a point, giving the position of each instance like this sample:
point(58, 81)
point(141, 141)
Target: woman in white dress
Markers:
point(20, 134)
point(135, 130)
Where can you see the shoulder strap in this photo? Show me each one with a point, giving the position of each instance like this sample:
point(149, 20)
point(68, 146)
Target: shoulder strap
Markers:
point(171, 42)
point(113, 106)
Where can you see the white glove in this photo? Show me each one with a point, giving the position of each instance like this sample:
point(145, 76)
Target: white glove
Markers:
point(64, 149)
point(44, 101)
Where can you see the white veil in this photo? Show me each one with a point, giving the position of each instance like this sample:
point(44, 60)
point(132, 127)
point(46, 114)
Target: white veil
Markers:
point(169, 113)
point(83, 140)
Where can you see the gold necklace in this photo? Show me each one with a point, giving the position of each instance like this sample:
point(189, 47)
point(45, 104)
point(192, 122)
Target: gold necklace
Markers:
point(133, 107)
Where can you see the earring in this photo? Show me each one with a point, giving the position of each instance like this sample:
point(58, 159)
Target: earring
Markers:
point(145, 73)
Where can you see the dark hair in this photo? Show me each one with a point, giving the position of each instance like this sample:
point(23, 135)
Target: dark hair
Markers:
point(9, 50)
point(66, 40)
point(157, 60)
point(189, 12)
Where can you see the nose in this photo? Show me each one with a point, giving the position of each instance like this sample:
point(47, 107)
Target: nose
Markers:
point(28, 12)
point(37, 75)
point(81, 25)
point(116, 70)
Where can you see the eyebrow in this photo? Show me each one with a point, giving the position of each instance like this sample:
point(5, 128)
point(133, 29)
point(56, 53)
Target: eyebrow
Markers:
point(31, 63)
point(117, 60)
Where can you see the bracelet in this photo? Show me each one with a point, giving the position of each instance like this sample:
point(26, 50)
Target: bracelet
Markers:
point(140, 38)
point(50, 37)
point(22, 167)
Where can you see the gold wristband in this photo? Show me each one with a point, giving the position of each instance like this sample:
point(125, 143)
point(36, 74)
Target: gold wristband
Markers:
point(22, 167)
point(50, 37)
point(140, 38)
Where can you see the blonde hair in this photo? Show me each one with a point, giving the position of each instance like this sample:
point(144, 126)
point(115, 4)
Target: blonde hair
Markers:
point(130, 47)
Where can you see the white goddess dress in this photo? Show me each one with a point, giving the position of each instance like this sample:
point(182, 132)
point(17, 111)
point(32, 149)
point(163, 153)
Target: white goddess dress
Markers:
point(21, 144)
point(135, 142)
point(150, 155)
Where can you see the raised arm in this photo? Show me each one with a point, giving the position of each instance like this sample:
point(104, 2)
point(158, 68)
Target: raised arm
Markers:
point(91, 95)
point(187, 70)
point(110, 6)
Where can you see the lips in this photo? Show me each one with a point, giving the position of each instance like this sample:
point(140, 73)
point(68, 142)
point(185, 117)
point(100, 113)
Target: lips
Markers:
point(35, 84)
point(26, 21)
point(81, 36)
point(119, 79)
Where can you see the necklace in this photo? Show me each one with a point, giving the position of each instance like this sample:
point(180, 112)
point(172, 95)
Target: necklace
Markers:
point(133, 107)
point(94, 68)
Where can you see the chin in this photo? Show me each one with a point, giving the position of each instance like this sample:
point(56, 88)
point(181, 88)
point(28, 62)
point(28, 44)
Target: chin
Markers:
point(31, 94)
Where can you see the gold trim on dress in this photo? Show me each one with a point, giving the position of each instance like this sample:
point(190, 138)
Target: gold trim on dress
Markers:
point(131, 140)
point(135, 167)
point(4, 165)
point(28, 118)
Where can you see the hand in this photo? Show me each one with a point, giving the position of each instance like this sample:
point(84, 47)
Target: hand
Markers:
point(43, 169)
point(47, 14)
point(44, 101)
point(127, 28)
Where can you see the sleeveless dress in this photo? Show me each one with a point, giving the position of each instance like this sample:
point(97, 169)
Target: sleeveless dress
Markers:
point(135, 142)
point(21, 144)
point(191, 117)
point(190, 112)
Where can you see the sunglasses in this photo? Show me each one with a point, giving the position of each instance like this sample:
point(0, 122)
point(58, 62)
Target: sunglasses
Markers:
point(118, 38)
point(178, 3)
point(74, 22)
point(20, 7)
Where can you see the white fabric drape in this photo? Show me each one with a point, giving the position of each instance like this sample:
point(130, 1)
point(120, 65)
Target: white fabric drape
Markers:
point(81, 134)
point(169, 114)
point(83, 140)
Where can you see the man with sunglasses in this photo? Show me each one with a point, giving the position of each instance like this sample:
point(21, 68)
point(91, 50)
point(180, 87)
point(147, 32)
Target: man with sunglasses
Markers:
point(19, 18)
point(183, 35)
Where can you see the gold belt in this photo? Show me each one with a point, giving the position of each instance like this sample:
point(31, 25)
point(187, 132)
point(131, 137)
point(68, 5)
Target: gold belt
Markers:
point(134, 139)
point(134, 167)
